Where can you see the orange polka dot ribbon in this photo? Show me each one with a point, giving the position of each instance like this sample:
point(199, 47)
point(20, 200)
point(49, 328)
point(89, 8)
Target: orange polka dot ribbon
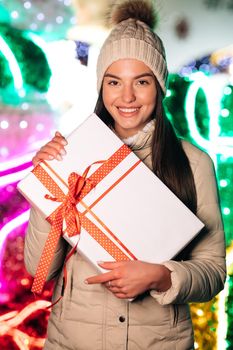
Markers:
point(78, 188)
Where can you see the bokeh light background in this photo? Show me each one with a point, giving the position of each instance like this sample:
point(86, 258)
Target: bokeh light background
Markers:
point(47, 82)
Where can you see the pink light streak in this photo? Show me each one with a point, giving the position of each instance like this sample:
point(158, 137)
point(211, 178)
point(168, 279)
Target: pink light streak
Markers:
point(20, 162)
point(11, 226)
point(15, 169)
point(16, 162)
point(14, 177)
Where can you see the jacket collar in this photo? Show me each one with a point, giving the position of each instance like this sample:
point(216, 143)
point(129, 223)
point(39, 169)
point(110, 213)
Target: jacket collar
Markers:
point(143, 138)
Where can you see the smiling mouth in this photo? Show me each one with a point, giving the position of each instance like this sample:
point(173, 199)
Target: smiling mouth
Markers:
point(128, 110)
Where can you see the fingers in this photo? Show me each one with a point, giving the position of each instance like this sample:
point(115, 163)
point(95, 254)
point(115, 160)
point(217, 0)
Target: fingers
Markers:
point(54, 149)
point(59, 138)
point(122, 296)
point(39, 156)
point(102, 278)
point(114, 287)
point(109, 280)
point(121, 292)
point(108, 276)
point(117, 280)
point(110, 265)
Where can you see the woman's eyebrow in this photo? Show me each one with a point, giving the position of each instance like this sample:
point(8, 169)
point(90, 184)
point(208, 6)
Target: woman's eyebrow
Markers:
point(144, 75)
point(109, 75)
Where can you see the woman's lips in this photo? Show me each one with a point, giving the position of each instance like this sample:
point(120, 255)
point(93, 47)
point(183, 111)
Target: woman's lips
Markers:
point(128, 112)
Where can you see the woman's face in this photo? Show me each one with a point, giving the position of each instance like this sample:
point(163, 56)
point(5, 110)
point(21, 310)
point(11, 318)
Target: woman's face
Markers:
point(129, 95)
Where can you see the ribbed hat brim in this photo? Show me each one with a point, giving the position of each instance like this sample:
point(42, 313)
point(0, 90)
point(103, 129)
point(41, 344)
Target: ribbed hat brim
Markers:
point(130, 48)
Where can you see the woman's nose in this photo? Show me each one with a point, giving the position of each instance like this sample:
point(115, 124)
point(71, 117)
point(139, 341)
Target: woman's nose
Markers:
point(128, 94)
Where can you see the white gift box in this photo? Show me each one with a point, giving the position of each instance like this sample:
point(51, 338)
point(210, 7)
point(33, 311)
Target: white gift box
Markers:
point(130, 206)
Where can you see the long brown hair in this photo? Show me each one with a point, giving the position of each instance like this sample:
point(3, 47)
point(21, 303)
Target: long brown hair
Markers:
point(169, 160)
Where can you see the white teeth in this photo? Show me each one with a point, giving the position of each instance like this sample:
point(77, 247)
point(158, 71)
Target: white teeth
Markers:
point(128, 110)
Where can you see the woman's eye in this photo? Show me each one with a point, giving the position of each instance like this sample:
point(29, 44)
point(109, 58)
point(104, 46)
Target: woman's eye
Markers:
point(113, 82)
point(143, 82)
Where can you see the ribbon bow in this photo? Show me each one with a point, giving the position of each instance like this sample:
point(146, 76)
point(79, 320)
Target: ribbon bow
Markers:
point(67, 212)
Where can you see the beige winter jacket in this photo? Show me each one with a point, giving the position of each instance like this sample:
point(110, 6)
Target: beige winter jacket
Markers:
point(89, 317)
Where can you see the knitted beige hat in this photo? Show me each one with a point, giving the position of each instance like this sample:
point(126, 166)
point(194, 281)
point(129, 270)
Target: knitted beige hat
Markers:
point(133, 37)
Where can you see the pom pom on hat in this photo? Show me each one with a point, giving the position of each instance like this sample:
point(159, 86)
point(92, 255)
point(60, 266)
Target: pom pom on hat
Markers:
point(133, 38)
point(139, 10)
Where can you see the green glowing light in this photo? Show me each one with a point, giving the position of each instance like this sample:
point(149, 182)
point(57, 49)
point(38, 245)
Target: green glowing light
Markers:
point(168, 94)
point(226, 211)
point(38, 41)
point(227, 90)
point(223, 183)
point(225, 112)
point(213, 90)
point(13, 65)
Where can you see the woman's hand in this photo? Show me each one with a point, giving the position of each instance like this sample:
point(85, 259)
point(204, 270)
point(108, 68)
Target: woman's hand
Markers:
point(54, 149)
point(128, 279)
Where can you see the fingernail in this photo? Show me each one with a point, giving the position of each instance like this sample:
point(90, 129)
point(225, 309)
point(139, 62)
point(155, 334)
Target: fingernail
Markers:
point(51, 157)
point(63, 152)
point(59, 157)
point(64, 142)
point(86, 281)
point(100, 262)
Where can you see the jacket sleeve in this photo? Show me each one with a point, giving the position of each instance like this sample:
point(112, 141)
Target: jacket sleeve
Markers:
point(201, 275)
point(36, 236)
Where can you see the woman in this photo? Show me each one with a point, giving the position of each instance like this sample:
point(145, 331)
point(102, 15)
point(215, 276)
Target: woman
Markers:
point(95, 312)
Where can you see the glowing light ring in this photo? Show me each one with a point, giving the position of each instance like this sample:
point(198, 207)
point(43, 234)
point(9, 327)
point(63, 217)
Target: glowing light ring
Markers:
point(15, 169)
point(215, 144)
point(12, 225)
point(12, 178)
point(13, 65)
point(10, 165)
point(16, 162)
point(38, 41)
